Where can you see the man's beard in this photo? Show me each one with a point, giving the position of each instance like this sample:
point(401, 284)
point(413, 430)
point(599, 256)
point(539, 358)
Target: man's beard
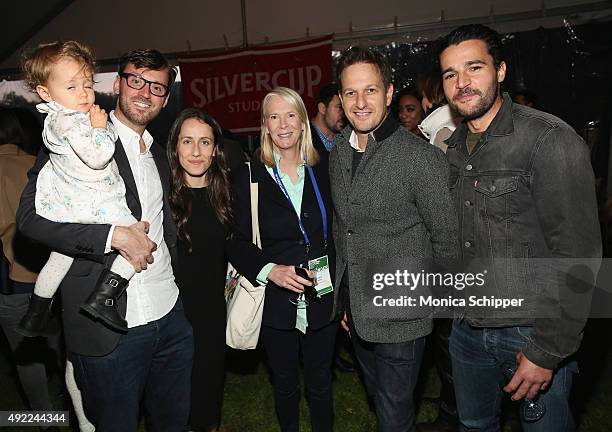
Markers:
point(486, 102)
point(137, 118)
point(334, 127)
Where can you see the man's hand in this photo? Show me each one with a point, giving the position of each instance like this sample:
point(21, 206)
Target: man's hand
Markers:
point(98, 117)
point(134, 245)
point(528, 380)
point(285, 277)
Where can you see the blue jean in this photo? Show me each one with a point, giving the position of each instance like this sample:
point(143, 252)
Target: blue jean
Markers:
point(477, 355)
point(390, 372)
point(152, 360)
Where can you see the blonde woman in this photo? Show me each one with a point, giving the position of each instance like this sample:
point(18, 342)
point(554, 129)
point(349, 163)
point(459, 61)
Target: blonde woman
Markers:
point(295, 226)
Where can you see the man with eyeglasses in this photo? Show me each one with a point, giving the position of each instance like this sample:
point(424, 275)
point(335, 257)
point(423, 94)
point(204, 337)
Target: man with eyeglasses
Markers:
point(151, 363)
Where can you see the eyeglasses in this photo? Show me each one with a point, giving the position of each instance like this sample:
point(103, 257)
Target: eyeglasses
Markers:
point(137, 82)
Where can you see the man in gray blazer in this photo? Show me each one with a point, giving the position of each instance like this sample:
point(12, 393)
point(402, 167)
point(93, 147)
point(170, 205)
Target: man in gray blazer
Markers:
point(391, 201)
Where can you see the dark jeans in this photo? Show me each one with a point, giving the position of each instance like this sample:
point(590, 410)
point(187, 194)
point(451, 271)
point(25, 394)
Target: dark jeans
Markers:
point(152, 360)
point(477, 355)
point(283, 350)
point(390, 372)
point(440, 339)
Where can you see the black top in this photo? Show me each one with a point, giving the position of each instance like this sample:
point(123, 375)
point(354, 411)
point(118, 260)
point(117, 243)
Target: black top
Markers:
point(201, 280)
point(201, 273)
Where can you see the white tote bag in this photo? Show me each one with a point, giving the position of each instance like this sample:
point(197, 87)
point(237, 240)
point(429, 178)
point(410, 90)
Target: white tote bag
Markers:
point(244, 300)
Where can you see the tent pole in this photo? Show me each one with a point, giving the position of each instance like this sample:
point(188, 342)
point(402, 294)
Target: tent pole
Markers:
point(245, 37)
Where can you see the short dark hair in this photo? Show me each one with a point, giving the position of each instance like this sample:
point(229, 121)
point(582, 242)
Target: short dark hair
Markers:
point(327, 93)
point(150, 59)
point(408, 91)
point(359, 54)
point(479, 32)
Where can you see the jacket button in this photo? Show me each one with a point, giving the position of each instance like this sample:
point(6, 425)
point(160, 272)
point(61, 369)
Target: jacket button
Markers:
point(469, 167)
point(305, 215)
point(349, 232)
point(492, 188)
point(467, 203)
point(467, 244)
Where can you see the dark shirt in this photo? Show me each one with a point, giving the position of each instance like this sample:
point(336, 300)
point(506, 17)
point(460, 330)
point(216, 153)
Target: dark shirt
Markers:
point(471, 140)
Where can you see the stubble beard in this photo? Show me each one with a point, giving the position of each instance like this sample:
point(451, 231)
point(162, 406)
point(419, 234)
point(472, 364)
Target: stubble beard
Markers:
point(484, 105)
point(334, 127)
point(133, 116)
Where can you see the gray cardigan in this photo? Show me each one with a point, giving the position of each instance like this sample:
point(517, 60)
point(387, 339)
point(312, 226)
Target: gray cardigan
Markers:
point(397, 204)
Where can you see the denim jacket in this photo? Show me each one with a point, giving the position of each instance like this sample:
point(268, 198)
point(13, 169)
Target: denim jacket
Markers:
point(525, 199)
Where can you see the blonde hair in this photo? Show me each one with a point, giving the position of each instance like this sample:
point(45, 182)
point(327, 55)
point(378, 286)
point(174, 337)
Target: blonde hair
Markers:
point(37, 63)
point(306, 147)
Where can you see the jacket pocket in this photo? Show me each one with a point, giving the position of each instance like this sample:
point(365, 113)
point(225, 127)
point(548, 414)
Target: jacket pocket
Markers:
point(494, 195)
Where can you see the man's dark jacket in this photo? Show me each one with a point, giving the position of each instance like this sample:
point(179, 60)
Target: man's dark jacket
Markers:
point(525, 199)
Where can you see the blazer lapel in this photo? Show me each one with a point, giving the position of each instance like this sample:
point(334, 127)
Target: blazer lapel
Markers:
point(345, 153)
point(269, 184)
point(310, 207)
point(131, 196)
point(159, 156)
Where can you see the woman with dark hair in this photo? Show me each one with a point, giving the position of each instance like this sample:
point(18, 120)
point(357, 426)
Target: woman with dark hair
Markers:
point(200, 203)
point(409, 111)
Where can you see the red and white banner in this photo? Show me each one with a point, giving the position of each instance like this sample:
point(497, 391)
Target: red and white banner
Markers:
point(231, 85)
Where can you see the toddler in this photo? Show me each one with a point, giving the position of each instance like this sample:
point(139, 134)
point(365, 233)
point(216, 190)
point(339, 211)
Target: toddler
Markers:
point(81, 181)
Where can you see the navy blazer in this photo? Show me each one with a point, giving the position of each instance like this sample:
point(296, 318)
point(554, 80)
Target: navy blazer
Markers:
point(87, 243)
point(281, 238)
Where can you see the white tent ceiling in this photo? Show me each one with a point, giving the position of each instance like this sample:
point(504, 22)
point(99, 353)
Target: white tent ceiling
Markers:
point(115, 26)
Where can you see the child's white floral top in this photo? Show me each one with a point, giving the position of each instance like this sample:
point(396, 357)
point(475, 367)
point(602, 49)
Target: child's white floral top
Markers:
point(81, 181)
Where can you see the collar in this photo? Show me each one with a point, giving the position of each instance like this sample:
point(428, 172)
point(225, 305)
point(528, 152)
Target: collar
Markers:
point(277, 161)
point(54, 107)
point(129, 138)
point(281, 173)
point(502, 124)
point(441, 117)
point(388, 126)
point(328, 143)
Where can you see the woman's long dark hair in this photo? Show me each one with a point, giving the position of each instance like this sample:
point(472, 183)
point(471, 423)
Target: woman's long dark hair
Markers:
point(217, 175)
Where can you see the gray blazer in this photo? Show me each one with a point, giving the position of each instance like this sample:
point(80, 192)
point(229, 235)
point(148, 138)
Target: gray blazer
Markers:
point(396, 205)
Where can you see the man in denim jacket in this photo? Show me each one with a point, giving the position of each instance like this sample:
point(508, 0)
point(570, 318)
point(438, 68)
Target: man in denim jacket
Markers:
point(524, 191)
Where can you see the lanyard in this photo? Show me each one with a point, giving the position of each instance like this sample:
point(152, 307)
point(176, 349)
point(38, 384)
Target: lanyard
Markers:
point(315, 186)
